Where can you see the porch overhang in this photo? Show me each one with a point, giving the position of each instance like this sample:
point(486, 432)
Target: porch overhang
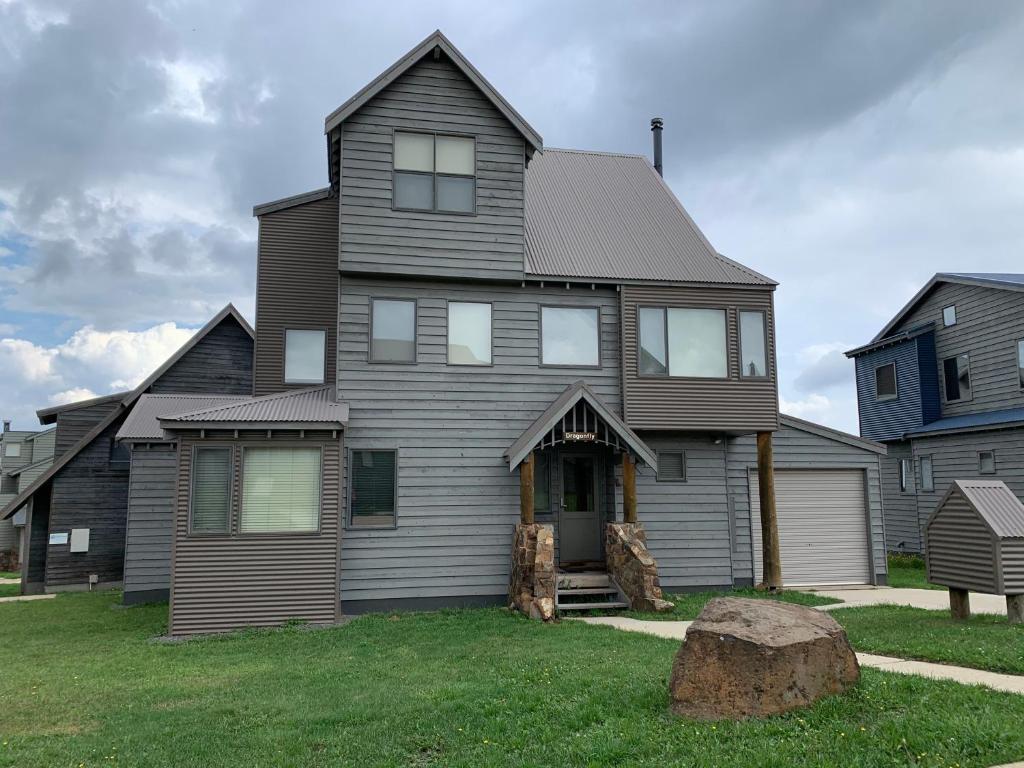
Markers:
point(578, 416)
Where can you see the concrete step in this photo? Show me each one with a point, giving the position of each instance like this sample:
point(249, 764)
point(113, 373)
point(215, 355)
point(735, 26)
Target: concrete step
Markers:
point(591, 606)
point(588, 591)
point(583, 580)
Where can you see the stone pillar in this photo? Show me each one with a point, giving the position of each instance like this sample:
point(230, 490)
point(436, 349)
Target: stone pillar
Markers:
point(526, 490)
point(532, 584)
point(960, 604)
point(770, 557)
point(628, 489)
point(633, 568)
point(1015, 609)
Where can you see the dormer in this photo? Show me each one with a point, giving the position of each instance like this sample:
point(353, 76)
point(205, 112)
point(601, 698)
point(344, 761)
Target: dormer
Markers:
point(428, 162)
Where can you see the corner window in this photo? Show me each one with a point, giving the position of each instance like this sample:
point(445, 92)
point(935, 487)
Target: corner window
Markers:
point(671, 465)
point(570, 336)
point(906, 476)
point(927, 474)
point(434, 173)
point(652, 346)
point(542, 483)
point(280, 490)
point(957, 375)
point(392, 331)
point(753, 345)
point(987, 462)
point(211, 490)
point(949, 315)
point(692, 342)
point(372, 488)
point(12, 449)
point(1020, 362)
point(885, 382)
point(304, 356)
point(469, 333)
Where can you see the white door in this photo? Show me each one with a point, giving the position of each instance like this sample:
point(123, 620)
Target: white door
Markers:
point(823, 533)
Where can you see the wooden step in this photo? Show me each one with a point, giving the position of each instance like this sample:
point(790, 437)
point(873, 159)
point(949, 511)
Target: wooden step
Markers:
point(585, 580)
point(589, 591)
point(590, 606)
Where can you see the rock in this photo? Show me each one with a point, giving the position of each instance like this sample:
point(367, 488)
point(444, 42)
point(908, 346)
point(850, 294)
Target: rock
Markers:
point(633, 567)
point(752, 658)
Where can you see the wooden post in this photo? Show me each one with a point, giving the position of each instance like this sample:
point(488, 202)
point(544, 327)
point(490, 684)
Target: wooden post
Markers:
point(959, 604)
point(526, 490)
point(628, 489)
point(1015, 609)
point(771, 560)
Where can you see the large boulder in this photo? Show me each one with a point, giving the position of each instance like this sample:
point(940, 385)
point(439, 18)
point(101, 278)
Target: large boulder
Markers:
point(751, 658)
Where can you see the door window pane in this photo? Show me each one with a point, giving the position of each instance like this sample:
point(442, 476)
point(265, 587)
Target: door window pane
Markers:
point(469, 333)
point(456, 194)
point(280, 490)
point(211, 490)
point(394, 331)
point(885, 382)
point(570, 336)
point(653, 351)
point(696, 343)
point(414, 190)
point(753, 355)
point(927, 475)
point(578, 484)
point(455, 155)
point(304, 356)
point(372, 497)
point(414, 152)
point(957, 375)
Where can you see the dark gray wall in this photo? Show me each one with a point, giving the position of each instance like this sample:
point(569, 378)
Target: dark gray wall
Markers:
point(220, 363)
point(432, 96)
point(890, 419)
point(902, 523)
point(296, 287)
point(73, 425)
point(962, 552)
point(147, 561)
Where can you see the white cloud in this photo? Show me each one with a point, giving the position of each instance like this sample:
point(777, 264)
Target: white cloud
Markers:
point(8, 329)
point(21, 359)
point(72, 395)
point(126, 356)
point(812, 407)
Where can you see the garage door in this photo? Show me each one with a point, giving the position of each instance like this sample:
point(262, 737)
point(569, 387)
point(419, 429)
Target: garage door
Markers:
point(823, 536)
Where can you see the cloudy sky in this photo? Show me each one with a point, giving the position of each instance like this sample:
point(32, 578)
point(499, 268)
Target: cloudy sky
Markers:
point(848, 150)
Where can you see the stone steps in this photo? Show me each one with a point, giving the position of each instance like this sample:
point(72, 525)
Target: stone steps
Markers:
point(587, 591)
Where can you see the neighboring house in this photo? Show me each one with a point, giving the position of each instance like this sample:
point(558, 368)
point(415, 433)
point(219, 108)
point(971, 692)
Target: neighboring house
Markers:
point(459, 299)
point(76, 510)
point(24, 456)
point(942, 385)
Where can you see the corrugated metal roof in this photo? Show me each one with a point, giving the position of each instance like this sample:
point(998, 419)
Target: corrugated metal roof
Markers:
point(316, 406)
point(143, 423)
point(896, 338)
point(995, 504)
point(594, 215)
point(1008, 278)
point(1004, 417)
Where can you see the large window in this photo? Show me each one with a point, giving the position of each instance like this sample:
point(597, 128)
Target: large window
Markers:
point(570, 336)
point(1020, 362)
point(885, 382)
point(927, 474)
point(372, 488)
point(393, 331)
point(211, 490)
point(304, 356)
point(691, 342)
point(435, 173)
point(280, 490)
point(469, 333)
point(753, 345)
point(957, 374)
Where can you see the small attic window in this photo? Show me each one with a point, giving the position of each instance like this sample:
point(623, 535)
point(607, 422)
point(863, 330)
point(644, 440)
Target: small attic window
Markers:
point(433, 172)
point(949, 315)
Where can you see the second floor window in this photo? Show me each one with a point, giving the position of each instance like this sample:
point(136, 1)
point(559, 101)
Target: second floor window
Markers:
point(13, 450)
point(885, 382)
point(393, 331)
point(304, 356)
point(469, 333)
point(927, 474)
point(570, 336)
point(906, 476)
point(434, 173)
point(1020, 362)
point(957, 374)
point(753, 345)
point(682, 342)
point(949, 315)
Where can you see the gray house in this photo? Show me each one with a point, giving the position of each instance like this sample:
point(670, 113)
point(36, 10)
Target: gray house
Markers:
point(458, 304)
point(942, 385)
point(24, 455)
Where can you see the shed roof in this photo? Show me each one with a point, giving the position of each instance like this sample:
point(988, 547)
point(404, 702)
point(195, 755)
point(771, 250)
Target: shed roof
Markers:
point(897, 338)
point(143, 423)
point(993, 502)
point(1008, 417)
point(299, 409)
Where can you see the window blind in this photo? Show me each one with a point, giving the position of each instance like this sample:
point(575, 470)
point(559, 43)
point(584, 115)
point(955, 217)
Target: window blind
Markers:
point(211, 490)
point(280, 490)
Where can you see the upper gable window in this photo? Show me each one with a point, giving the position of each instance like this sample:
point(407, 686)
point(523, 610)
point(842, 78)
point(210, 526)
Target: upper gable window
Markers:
point(949, 315)
point(434, 173)
point(304, 356)
point(885, 382)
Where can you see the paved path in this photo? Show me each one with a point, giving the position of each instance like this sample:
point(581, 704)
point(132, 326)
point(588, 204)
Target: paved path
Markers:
point(10, 581)
point(932, 599)
point(25, 598)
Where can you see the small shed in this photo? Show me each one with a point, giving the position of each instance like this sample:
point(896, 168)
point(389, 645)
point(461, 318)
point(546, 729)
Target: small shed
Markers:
point(974, 540)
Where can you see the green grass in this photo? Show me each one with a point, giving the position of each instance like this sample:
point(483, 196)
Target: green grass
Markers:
point(984, 642)
point(10, 590)
point(908, 571)
point(10, 575)
point(467, 688)
point(689, 605)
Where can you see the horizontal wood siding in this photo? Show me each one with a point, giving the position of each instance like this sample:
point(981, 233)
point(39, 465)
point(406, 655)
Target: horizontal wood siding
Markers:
point(457, 500)
point(902, 522)
point(220, 363)
point(224, 582)
point(989, 322)
point(720, 405)
point(296, 287)
point(961, 550)
point(431, 96)
point(73, 425)
point(889, 419)
point(147, 563)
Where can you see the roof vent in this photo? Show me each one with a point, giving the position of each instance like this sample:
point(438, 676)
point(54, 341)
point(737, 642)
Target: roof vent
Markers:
point(657, 125)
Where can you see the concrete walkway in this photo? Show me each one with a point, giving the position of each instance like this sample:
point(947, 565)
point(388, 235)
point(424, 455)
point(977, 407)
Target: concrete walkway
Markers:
point(10, 581)
point(25, 598)
point(931, 599)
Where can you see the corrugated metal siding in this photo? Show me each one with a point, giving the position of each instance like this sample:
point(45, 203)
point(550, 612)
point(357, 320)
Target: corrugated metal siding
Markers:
point(961, 551)
point(220, 363)
point(1013, 566)
point(431, 96)
point(147, 562)
point(225, 582)
point(735, 404)
point(889, 419)
point(296, 287)
point(451, 425)
point(928, 371)
point(903, 522)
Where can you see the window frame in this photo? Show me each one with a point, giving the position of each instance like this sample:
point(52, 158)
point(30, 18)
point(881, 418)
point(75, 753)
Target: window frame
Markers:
point(981, 463)
point(349, 473)
point(540, 336)
point(906, 475)
point(682, 456)
point(284, 355)
point(239, 503)
point(740, 311)
point(895, 382)
point(447, 333)
point(12, 450)
point(928, 487)
point(944, 323)
point(228, 531)
point(9, 484)
point(668, 345)
point(434, 174)
point(548, 458)
point(945, 391)
point(1020, 363)
point(415, 332)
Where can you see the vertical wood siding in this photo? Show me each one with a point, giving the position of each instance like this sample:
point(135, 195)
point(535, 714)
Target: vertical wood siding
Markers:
point(431, 96)
point(889, 419)
point(221, 363)
point(663, 402)
point(147, 562)
point(297, 286)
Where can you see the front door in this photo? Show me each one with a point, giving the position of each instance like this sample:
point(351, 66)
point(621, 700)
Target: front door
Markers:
point(579, 524)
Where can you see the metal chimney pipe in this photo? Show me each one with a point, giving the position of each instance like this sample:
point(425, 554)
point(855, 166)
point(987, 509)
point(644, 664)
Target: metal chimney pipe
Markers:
point(657, 125)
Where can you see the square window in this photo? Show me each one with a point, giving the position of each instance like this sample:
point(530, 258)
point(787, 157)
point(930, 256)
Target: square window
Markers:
point(414, 190)
point(434, 172)
point(927, 474)
point(455, 154)
point(671, 466)
point(696, 343)
point(570, 336)
point(753, 346)
point(456, 194)
point(987, 462)
point(957, 376)
point(12, 449)
point(280, 490)
point(469, 333)
point(949, 315)
point(885, 382)
point(211, 490)
point(304, 356)
point(392, 331)
point(372, 488)
point(414, 152)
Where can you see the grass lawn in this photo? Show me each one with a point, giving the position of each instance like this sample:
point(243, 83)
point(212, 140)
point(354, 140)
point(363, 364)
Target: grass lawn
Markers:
point(10, 575)
point(10, 590)
point(457, 688)
point(984, 642)
point(908, 571)
point(688, 605)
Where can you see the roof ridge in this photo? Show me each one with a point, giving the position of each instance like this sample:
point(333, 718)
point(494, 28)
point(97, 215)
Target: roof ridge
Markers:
point(255, 399)
point(595, 152)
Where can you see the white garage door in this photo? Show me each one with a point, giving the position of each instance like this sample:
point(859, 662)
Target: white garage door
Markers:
point(823, 536)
